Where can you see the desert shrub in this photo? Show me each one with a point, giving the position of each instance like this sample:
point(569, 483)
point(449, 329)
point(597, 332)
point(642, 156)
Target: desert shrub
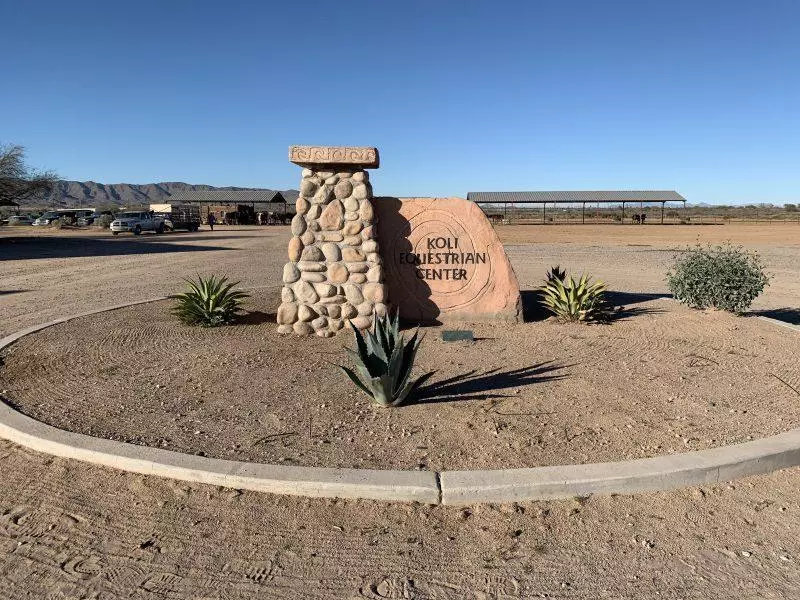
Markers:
point(209, 302)
point(103, 221)
point(577, 301)
point(384, 359)
point(725, 277)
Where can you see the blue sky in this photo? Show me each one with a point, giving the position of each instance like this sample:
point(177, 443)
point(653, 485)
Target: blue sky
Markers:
point(698, 96)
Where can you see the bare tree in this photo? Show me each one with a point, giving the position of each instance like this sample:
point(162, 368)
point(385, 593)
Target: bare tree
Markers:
point(20, 182)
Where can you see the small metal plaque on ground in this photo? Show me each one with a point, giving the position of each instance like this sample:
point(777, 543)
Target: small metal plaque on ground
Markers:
point(458, 335)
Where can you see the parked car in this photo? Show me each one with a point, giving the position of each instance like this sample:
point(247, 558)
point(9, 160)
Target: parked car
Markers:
point(19, 220)
point(90, 219)
point(47, 218)
point(137, 222)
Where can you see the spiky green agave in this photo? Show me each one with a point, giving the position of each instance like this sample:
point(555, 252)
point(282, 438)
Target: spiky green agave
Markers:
point(384, 359)
point(556, 274)
point(569, 300)
point(208, 302)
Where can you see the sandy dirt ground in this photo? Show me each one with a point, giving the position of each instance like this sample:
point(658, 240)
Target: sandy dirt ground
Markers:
point(69, 530)
point(660, 379)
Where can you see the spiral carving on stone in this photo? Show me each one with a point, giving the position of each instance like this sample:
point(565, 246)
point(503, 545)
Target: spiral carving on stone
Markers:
point(361, 156)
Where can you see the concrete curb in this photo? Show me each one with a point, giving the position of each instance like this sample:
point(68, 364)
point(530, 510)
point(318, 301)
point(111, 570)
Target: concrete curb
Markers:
point(448, 487)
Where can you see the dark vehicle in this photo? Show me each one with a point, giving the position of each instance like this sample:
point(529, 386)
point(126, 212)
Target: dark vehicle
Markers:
point(90, 219)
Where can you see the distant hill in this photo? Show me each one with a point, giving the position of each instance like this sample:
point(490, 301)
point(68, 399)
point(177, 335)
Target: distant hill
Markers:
point(70, 194)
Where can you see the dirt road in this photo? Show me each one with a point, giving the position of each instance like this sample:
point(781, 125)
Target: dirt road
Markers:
point(69, 530)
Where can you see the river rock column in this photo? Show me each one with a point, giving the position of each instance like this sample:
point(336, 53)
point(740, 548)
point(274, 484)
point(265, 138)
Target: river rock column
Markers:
point(334, 273)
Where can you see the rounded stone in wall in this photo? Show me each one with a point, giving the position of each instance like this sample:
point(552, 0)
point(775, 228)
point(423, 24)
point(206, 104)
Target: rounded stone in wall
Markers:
point(331, 217)
point(337, 273)
point(308, 188)
point(305, 313)
point(350, 216)
point(290, 273)
point(368, 233)
point(374, 257)
point(366, 212)
point(350, 204)
point(287, 295)
point(332, 252)
point(352, 254)
point(361, 191)
point(285, 329)
point(302, 205)
point(298, 224)
point(312, 253)
point(358, 267)
point(353, 294)
point(314, 266)
point(330, 236)
point(325, 290)
point(374, 274)
point(287, 313)
point(325, 174)
point(380, 309)
point(308, 238)
point(313, 226)
point(369, 246)
point(344, 174)
point(305, 292)
point(364, 309)
point(362, 322)
point(342, 189)
point(348, 311)
point(295, 249)
point(331, 180)
point(312, 277)
point(334, 310)
point(352, 228)
point(361, 176)
point(353, 240)
point(307, 173)
point(320, 323)
point(374, 292)
point(303, 328)
point(322, 195)
point(335, 324)
point(321, 309)
point(313, 212)
point(357, 278)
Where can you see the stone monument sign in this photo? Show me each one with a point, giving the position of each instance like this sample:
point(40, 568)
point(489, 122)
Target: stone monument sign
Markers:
point(334, 273)
point(433, 259)
point(444, 262)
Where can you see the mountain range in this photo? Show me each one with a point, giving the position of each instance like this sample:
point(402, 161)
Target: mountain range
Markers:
point(74, 194)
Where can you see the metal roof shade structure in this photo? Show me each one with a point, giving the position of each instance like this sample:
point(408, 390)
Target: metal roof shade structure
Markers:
point(579, 197)
point(254, 196)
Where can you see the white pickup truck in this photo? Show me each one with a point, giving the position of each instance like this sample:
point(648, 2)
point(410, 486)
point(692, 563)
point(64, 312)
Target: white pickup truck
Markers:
point(137, 222)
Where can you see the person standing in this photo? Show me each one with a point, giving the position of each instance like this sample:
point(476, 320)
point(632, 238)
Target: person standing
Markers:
point(211, 220)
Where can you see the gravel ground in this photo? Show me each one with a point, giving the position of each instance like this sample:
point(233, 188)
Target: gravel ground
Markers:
point(661, 379)
point(70, 530)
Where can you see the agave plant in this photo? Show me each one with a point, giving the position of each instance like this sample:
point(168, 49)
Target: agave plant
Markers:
point(384, 359)
point(569, 300)
point(208, 302)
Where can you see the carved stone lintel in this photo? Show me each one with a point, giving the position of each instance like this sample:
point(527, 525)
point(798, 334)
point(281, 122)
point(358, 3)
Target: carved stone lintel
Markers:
point(363, 157)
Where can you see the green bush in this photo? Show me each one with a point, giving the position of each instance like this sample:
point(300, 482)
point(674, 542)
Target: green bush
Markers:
point(571, 300)
point(384, 360)
point(210, 302)
point(103, 221)
point(725, 277)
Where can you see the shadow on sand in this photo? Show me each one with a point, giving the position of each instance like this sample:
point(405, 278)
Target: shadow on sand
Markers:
point(482, 386)
point(20, 248)
point(788, 315)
